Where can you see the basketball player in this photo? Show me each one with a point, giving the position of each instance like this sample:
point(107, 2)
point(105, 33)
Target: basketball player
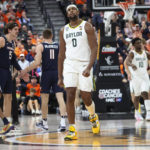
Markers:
point(7, 58)
point(127, 69)
point(138, 61)
point(78, 50)
point(47, 52)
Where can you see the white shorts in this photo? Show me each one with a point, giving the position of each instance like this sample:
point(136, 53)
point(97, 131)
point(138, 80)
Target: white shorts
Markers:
point(73, 77)
point(140, 85)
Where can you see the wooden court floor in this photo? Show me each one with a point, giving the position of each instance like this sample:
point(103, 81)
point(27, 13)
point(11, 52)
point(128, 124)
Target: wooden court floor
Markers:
point(126, 134)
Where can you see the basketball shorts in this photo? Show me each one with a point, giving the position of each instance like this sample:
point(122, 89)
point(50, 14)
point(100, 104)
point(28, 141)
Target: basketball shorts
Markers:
point(73, 77)
point(140, 85)
point(49, 81)
point(5, 81)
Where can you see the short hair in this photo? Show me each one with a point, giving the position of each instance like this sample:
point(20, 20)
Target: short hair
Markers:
point(10, 26)
point(47, 34)
point(134, 40)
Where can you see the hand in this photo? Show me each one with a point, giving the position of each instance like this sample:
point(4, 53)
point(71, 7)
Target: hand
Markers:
point(86, 72)
point(60, 83)
point(134, 67)
point(24, 75)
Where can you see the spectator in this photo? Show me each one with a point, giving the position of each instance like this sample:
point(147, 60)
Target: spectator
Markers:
point(25, 20)
point(97, 19)
point(32, 102)
point(20, 50)
point(80, 3)
point(85, 14)
point(5, 19)
point(31, 54)
point(137, 32)
point(29, 44)
point(34, 85)
point(23, 62)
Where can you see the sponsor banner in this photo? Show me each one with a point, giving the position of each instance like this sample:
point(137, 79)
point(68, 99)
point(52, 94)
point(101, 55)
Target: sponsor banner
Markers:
point(108, 66)
point(111, 97)
point(111, 94)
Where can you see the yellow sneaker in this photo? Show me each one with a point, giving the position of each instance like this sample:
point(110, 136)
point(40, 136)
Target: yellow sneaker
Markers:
point(71, 135)
point(95, 123)
point(7, 128)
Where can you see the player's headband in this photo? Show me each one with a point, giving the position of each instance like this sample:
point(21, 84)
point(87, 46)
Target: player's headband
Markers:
point(72, 5)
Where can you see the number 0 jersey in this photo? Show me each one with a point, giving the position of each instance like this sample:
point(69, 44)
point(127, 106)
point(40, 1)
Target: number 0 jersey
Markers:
point(77, 47)
point(50, 56)
point(141, 62)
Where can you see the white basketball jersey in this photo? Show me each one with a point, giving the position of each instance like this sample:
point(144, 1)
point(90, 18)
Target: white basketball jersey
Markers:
point(141, 62)
point(77, 47)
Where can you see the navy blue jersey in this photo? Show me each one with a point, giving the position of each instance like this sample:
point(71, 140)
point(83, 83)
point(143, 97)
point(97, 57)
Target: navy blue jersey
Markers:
point(7, 56)
point(50, 57)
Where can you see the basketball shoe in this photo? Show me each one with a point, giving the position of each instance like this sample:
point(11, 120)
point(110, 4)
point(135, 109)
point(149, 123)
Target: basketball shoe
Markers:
point(138, 116)
point(42, 124)
point(61, 129)
point(95, 123)
point(71, 135)
point(7, 128)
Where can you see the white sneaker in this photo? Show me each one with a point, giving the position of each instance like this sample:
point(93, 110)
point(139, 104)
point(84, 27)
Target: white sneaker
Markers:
point(147, 116)
point(138, 116)
point(37, 112)
point(33, 112)
point(42, 124)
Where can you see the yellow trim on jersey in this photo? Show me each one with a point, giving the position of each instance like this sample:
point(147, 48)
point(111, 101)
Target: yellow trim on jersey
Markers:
point(99, 40)
point(76, 26)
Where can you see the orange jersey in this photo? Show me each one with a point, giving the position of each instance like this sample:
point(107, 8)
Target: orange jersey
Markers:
point(36, 87)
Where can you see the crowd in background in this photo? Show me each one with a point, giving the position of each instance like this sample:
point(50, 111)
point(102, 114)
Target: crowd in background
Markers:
point(15, 10)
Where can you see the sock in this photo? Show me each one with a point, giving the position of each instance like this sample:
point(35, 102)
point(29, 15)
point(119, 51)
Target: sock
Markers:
point(147, 105)
point(91, 108)
point(9, 119)
point(62, 121)
point(137, 111)
point(5, 121)
point(72, 125)
point(45, 119)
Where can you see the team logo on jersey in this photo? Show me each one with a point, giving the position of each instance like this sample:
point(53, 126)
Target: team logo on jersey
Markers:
point(80, 27)
point(108, 60)
point(67, 28)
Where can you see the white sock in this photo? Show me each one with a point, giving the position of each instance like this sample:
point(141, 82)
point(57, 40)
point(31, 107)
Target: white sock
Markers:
point(73, 125)
point(147, 105)
point(9, 119)
point(91, 108)
point(136, 111)
point(62, 122)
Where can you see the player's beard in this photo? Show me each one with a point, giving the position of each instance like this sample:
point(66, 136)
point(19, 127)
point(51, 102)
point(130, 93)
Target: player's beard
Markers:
point(74, 18)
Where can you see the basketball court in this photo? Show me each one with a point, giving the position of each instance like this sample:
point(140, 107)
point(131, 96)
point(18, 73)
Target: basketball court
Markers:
point(126, 134)
point(118, 133)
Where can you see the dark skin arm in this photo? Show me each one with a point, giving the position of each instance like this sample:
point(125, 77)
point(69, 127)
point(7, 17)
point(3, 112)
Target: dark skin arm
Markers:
point(129, 60)
point(93, 46)
point(127, 69)
point(61, 57)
